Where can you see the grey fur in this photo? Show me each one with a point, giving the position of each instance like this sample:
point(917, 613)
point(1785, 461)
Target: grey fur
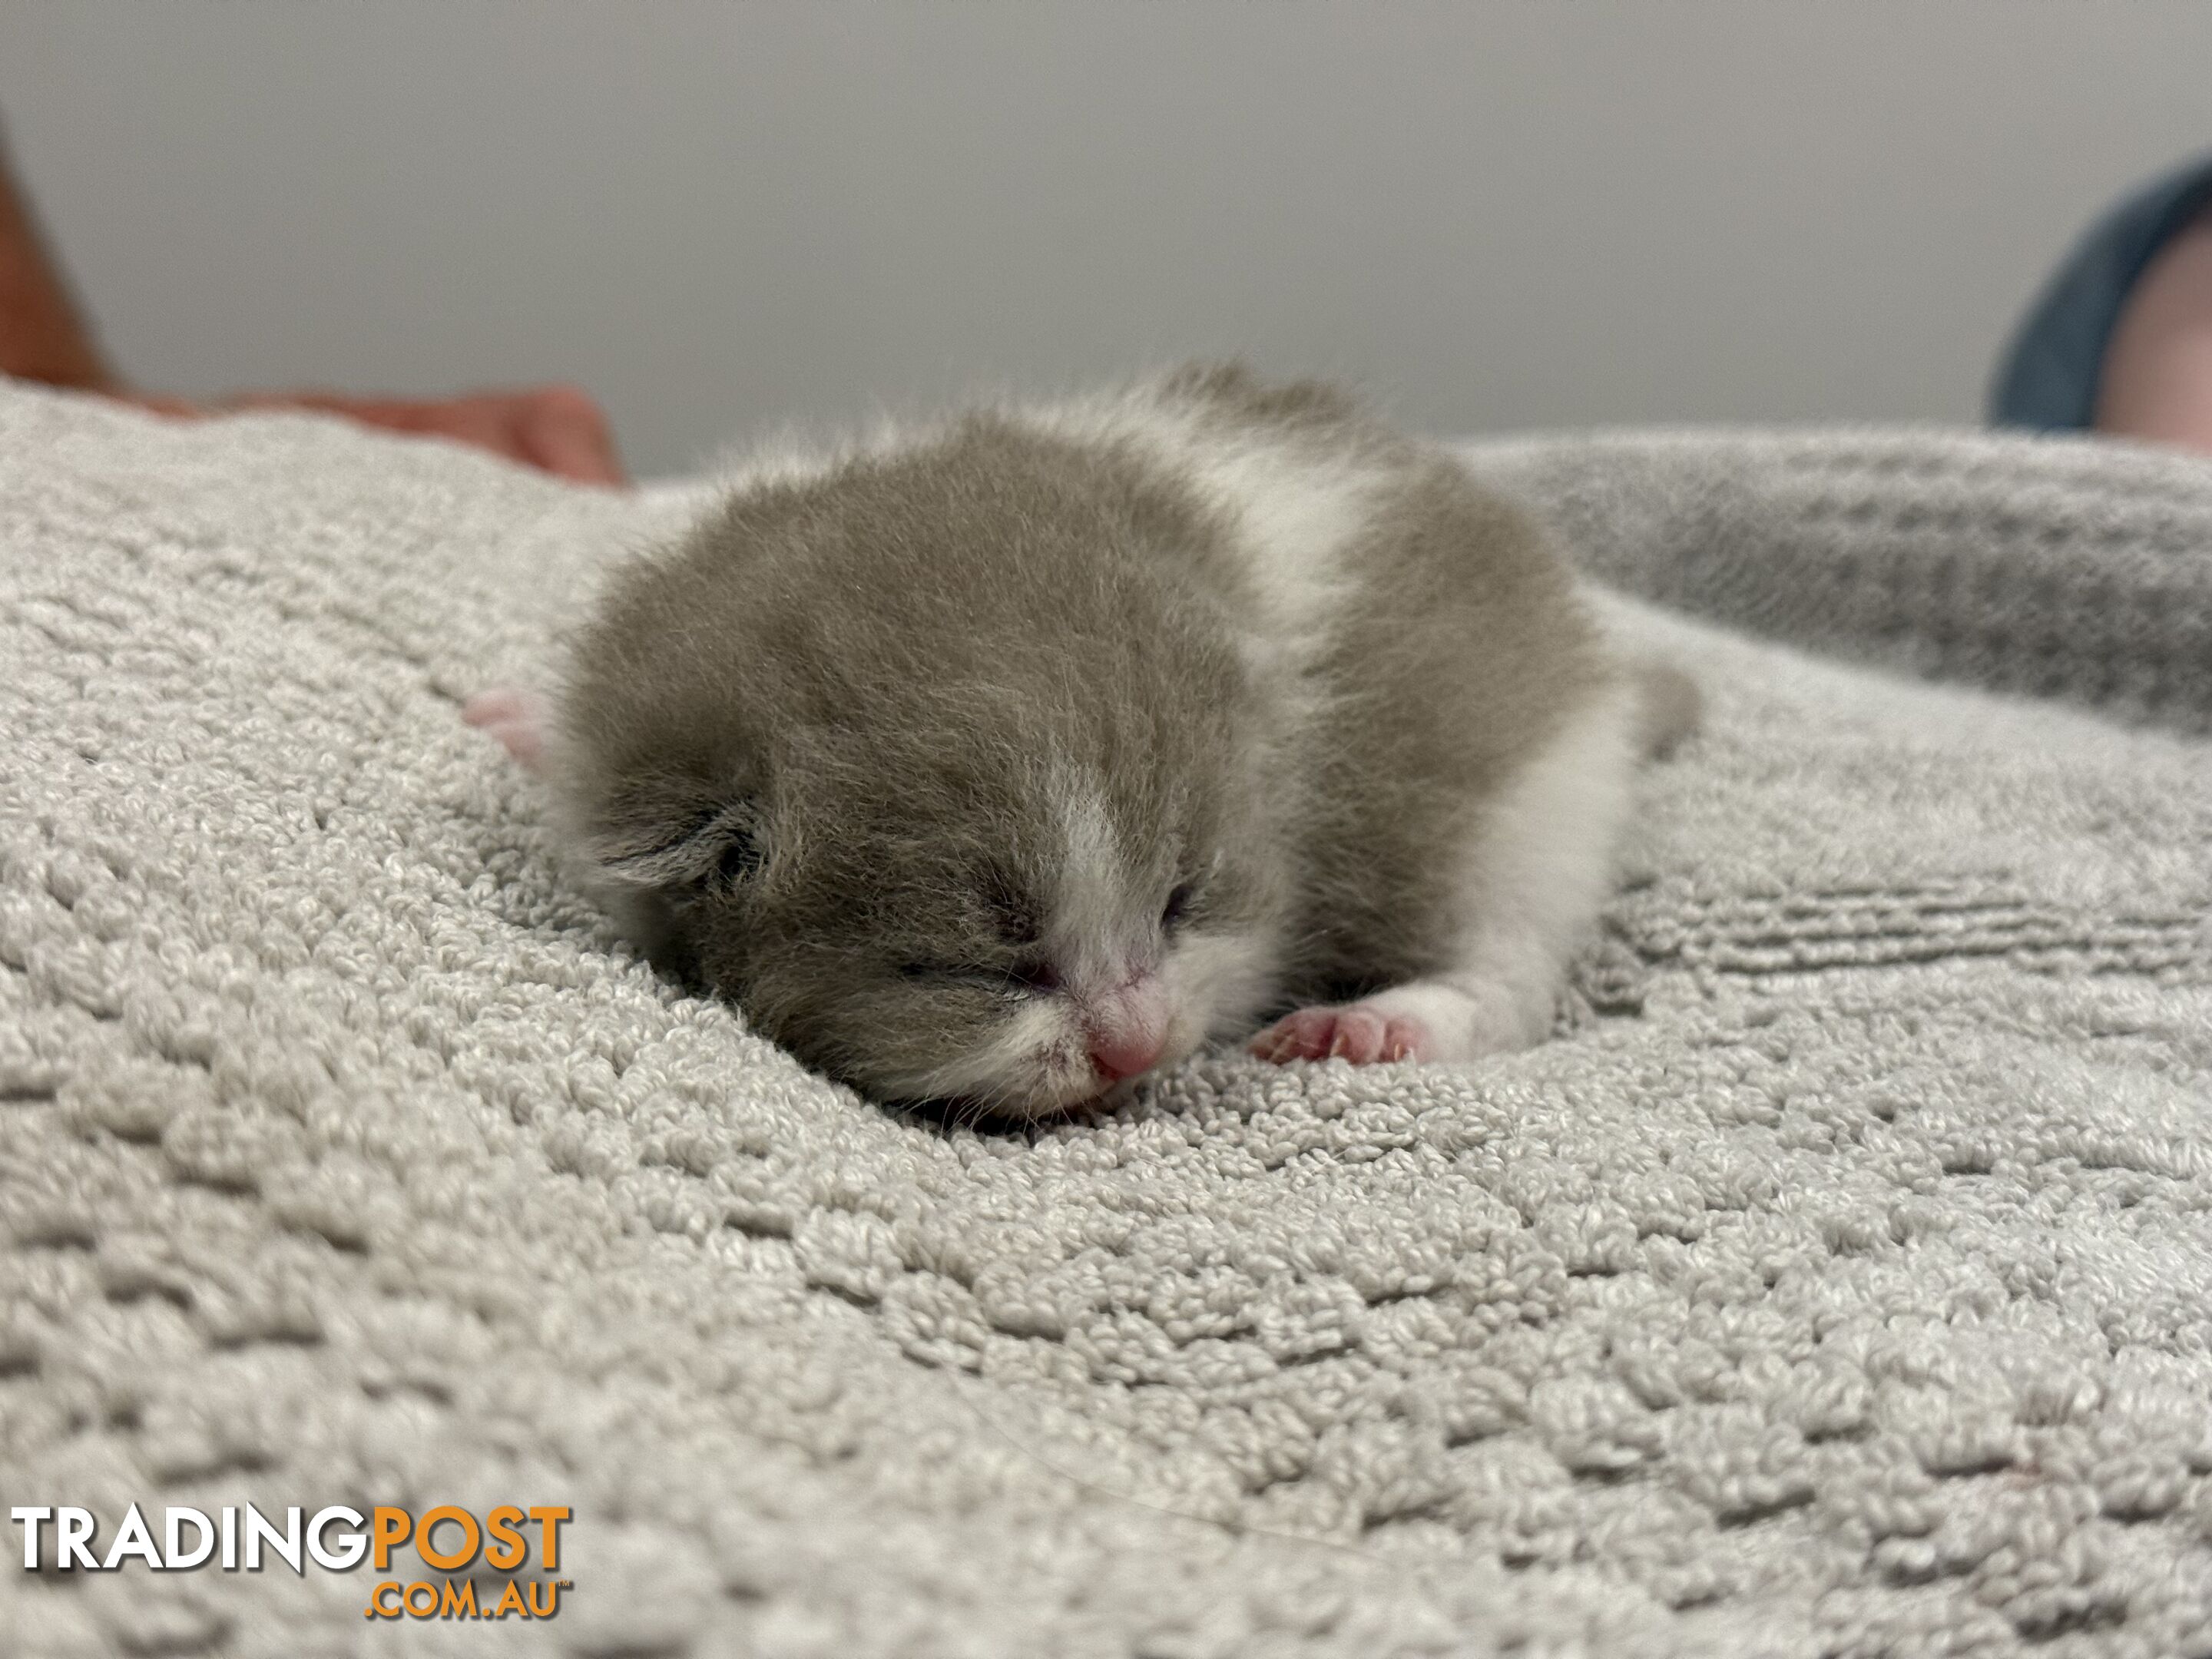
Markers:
point(1462, 650)
point(818, 742)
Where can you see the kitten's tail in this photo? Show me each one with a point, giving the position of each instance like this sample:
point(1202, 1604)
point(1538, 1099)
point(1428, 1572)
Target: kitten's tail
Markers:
point(1670, 706)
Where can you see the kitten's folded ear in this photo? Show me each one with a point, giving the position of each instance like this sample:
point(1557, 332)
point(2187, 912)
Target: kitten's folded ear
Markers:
point(674, 835)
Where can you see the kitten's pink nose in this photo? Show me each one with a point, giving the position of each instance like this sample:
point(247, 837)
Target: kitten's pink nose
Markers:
point(1127, 1028)
point(1126, 1050)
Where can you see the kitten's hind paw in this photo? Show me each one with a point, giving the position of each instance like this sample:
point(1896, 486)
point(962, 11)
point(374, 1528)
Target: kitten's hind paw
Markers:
point(1358, 1032)
point(516, 717)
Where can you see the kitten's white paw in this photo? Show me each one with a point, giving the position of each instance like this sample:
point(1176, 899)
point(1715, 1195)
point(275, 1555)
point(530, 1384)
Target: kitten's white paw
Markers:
point(1362, 1032)
point(1445, 1022)
point(1470, 1016)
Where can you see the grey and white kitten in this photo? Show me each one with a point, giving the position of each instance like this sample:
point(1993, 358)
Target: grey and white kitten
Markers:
point(1009, 760)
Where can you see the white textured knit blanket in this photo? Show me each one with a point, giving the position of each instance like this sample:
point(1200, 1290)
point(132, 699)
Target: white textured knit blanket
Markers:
point(1838, 1281)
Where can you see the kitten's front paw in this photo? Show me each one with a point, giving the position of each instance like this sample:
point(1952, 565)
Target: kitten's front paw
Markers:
point(1470, 1018)
point(1359, 1032)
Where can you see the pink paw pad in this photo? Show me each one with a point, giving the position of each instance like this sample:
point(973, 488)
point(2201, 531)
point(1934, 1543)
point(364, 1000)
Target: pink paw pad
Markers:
point(515, 717)
point(1360, 1033)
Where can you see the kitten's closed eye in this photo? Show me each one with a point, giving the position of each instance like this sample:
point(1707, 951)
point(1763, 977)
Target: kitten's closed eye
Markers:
point(741, 858)
point(1177, 908)
point(1022, 977)
point(1036, 977)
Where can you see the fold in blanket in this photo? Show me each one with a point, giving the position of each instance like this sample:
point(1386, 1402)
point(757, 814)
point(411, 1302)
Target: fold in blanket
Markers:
point(1838, 1281)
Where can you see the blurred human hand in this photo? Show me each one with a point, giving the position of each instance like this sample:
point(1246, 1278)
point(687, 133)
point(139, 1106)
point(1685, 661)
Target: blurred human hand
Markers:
point(556, 428)
point(44, 338)
point(2155, 384)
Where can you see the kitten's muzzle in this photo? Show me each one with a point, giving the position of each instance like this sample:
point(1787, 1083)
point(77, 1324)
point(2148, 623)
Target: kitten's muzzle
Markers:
point(1126, 1031)
point(1126, 1054)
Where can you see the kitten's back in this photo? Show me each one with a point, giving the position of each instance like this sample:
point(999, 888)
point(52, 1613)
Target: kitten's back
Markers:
point(1421, 633)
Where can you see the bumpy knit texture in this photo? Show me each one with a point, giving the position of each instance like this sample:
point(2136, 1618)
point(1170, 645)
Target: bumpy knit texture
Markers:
point(1838, 1281)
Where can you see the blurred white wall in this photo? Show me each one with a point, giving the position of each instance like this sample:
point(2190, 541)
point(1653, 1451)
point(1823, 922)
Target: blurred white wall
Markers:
point(718, 215)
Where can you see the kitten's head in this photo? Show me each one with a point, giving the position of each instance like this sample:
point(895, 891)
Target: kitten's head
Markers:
point(951, 806)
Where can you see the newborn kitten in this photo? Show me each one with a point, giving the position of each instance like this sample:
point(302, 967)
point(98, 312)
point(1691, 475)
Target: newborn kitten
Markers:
point(1024, 756)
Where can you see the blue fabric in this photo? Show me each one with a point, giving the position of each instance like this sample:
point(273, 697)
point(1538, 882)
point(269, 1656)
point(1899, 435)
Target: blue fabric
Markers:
point(2047, 378)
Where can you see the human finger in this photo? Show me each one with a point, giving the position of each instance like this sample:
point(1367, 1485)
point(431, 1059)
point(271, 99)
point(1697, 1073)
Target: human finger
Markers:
point(565, 432)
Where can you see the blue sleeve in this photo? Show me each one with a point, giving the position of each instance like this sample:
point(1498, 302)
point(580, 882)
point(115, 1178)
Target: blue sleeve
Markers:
point(2047, 377)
